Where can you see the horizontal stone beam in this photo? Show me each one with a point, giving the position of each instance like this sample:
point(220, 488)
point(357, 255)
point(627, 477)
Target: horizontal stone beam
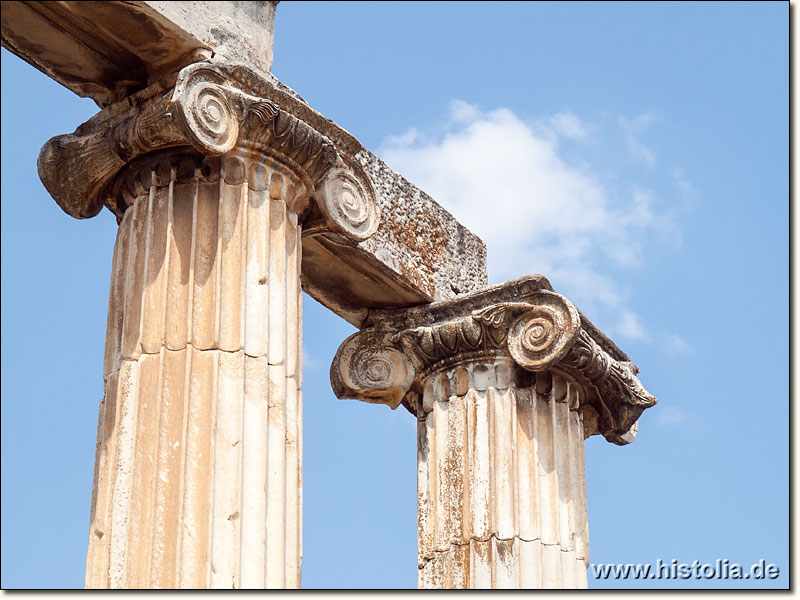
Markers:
point(107, 50)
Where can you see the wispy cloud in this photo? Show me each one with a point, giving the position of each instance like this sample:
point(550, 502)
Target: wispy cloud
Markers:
point(630, 326)
point(676, 345)
point(682, 183)
point(404, 139)
point(310, 363)
point(506, 178)
point(634, 127)
point(670, 415)
point(569, 125)
point(463, 112)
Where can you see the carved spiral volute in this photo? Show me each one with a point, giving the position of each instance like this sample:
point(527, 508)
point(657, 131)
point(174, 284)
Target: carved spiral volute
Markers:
point(378, 370)
point(544, 333)
point(367, 368)
point(349, 204)
point(212, 110)
point(206, 111)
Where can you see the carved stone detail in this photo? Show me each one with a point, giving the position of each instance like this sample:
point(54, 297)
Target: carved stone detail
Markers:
point(212, 110)
point(348, 204)
point(377, 373)
point(543, 334)
point(541, 330)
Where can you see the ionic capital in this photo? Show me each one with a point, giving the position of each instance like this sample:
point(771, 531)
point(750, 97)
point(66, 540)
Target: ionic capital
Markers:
point(390, 360)
point(211, 109)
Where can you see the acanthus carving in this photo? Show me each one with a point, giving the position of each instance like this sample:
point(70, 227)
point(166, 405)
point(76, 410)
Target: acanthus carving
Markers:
point(537, 334)
point(211, 110)
point(540, 331)
point(612, 377)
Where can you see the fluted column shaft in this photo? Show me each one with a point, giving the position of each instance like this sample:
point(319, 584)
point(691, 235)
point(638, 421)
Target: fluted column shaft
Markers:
point(198, 477)
point(501, 482)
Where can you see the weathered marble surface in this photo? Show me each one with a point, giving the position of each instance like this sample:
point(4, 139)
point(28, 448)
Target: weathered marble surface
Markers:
point(198, 478)
point(506, 383)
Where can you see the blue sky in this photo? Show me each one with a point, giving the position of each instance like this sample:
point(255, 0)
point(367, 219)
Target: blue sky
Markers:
point(634, 153)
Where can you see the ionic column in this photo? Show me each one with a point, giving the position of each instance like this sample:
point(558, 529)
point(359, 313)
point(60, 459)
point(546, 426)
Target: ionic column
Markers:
point(198, 473)
point(506, 384)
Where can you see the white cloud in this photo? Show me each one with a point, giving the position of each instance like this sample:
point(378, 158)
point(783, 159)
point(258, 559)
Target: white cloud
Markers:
point(683, 184)
point(310, 363)
point(463, 112)
point(676, 345)
point(404, 139)
point(630, 326)
point(508, 182)
point(569, 125)
point(670, 415)
point(633, 127)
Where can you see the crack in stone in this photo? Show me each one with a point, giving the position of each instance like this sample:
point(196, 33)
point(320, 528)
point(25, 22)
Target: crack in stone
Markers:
point(187, 346)
point(428, 559)
point(192, 346)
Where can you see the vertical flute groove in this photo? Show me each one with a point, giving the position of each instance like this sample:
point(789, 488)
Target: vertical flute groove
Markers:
point(187, 386)
point(91, 551)
point(209, 516)
point(166, 269)
point(212, 517)
point(127, 394)
point(243, 268)
point(114, 320)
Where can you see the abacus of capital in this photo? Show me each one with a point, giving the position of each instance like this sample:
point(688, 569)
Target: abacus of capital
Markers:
point(232, 195)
